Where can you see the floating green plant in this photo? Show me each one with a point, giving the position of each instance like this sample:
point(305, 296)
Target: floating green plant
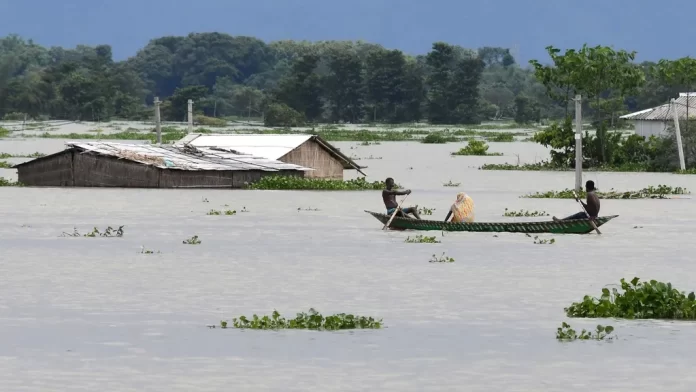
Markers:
point(542, 241)
point(524, 213)
point(302, 183)
point(451, 184)
point(637, 300)
point(307, 209)
point(420, 239)
point(476, 147)
point(5, 165)
point(148, 251)
point(425, 211)
point(565, 332)
point(312, 320)
point(192, 241)
point(441, 259)
point(651, 192)
point(108, 232)
point(225, 212)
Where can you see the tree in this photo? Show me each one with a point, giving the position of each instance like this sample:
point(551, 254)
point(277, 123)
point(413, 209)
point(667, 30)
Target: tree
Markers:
point(680, 73)
point(526, 110)
point(453, 81)
point(178, 103)
point(596, 73)
point(281, 115)
point(301, 89)
point(344, 87)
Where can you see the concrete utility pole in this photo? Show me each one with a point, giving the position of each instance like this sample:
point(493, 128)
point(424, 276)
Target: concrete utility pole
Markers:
point(190, 115)
point(158, 125)
point(678, 134)
point(578, 143)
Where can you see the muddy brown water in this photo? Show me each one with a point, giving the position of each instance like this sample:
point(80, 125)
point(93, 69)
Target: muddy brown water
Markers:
point(96, 314)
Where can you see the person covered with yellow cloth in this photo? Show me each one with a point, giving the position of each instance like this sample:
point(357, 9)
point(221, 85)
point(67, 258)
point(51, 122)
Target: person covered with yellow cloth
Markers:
point(462, 211)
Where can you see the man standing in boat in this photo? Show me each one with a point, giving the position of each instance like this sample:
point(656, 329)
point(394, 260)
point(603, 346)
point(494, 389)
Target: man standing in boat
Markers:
point(389, 197)
point(592, 205)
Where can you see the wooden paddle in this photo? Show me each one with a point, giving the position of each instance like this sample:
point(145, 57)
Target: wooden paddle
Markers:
point(588, 215)
point(398, 208)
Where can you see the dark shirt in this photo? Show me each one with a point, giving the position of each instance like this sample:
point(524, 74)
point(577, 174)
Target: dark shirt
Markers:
point(592, 205)
point(389, 197)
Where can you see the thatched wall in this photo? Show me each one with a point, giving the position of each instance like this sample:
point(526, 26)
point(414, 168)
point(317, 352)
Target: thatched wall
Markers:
point(55, 170)
point(311, 154)
point(74, 168)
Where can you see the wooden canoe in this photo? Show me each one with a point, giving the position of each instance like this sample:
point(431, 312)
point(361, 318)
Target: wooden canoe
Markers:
point(575, 226)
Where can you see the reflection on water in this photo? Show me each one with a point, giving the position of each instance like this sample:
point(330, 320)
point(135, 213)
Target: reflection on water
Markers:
point(95, 314)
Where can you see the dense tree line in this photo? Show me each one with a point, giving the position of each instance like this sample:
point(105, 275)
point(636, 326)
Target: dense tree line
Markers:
point(287, 82)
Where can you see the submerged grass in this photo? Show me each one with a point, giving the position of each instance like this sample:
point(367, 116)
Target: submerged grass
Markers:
point(651, 192)
point(302, 183)
point(420, 239)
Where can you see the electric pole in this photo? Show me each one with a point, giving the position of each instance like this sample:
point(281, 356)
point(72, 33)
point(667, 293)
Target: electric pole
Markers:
point(158, 125)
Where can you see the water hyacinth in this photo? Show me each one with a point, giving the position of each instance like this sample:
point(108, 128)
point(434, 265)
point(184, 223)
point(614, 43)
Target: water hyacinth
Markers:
point(312, 320)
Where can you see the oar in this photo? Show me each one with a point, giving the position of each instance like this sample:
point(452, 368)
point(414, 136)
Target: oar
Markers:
point(588, 215)
point(398, 208)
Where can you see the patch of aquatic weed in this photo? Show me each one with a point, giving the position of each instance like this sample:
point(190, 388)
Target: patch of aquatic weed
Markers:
point(651, 192)
point(311, 320)
point(302, 183)
point(7, 182)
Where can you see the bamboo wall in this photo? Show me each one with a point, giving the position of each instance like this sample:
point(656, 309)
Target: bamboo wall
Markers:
point(311, 154)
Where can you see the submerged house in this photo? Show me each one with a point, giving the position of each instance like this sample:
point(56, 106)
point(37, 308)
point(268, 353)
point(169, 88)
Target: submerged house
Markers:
point(655, 121)
point(304, 150)
point(100, 164)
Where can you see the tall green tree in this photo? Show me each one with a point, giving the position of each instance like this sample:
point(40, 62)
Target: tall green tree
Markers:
point(344, 87)
point(301, 89)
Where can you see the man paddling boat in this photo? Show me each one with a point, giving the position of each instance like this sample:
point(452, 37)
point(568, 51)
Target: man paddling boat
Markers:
point(389, 198)
point(592, 205)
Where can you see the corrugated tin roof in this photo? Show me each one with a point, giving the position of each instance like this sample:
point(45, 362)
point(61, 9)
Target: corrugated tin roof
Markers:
point(664, 112)
point(185, 158)
point(267, 146)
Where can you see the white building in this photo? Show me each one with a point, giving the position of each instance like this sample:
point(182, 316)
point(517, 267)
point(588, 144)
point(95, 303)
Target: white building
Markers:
point(655, 121)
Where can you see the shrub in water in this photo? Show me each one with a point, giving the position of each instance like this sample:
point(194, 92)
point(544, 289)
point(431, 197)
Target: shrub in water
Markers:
point(303, 183)
point(311, 320)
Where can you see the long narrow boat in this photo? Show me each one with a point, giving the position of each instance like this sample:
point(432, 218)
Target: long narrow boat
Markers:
point(575, 226)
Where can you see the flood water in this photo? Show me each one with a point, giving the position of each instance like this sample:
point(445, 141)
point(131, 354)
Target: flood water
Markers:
point(88, 314)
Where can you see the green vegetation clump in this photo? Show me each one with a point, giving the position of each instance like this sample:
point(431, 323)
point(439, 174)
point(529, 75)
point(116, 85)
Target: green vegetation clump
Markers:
point(419, 239)
point(476, 147)
point(425, 211)
point(192, 241)
point(4, 132)
point(312, 320)
point(5, 182)
point(525, 167)
point(565, 332)
point(524, 213)
point(4, 155)
point(225, 212)
point(452, 184)
point(544, 241)
point(651, 192)
point(282, 115)
point(304, 183)
point(438, 138)
point(5, 165)
point(108, 232)
point(441, 259)
point(502, 137)
point(637, 300)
